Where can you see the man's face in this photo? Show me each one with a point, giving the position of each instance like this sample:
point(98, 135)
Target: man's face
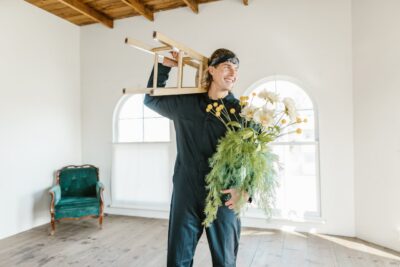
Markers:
point(224, 75)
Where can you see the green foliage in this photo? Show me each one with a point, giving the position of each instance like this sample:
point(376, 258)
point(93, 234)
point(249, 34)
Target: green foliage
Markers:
point(243, 161)
point(235, 124)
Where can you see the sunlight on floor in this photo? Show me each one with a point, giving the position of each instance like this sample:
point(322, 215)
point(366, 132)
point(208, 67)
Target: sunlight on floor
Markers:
point(257, 232)
point(358, 246)
point(342, 241)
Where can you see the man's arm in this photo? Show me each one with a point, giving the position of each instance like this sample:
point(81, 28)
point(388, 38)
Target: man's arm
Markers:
point(164, 105)
point(162, 77)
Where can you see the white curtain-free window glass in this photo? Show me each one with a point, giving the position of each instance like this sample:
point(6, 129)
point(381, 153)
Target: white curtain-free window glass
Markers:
point(298, 196)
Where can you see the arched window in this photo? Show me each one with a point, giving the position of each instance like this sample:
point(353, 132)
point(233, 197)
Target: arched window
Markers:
point(134, 122)
point(298, 196)
point(141, 142)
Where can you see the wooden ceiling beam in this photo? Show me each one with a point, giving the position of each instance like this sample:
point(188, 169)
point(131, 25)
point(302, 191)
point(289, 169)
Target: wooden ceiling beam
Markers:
point(89, 12)
point(140, 8)
point(246, 2)
point(194, 6)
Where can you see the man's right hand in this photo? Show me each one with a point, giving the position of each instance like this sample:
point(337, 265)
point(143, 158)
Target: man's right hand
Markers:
point(169, 62)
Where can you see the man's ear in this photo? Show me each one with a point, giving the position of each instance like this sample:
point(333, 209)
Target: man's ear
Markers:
point(211, 70)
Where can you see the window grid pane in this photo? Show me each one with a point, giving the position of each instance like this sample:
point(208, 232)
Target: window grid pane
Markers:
point(130, 130)
point(297, 194)
point(138, 123)
point(132, 108)
point(308, 129)
point(156, 129)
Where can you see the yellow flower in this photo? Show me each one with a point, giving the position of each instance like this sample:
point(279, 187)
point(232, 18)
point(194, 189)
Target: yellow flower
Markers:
point(232, 111)
point(298, 131)
point(305, 120)
point(244, 98)
point(220, 107)
point(218, 114)
point(243, 103)
point(298, 120)
point(209, 106)
point(215, 104)
point(283, 121)
point(208, 109)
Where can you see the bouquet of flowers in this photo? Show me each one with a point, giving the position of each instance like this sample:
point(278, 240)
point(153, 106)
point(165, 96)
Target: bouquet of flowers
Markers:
point(244, 160)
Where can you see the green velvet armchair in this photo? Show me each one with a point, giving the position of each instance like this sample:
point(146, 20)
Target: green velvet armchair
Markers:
point(78, 193)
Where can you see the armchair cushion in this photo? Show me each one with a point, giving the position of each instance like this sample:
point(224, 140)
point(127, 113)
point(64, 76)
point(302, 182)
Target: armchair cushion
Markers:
point(67, 202)
point(76, 207)
point(77, 182)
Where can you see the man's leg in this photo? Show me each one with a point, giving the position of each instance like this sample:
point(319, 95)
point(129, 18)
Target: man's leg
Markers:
point(184, 231)
point(223, 238)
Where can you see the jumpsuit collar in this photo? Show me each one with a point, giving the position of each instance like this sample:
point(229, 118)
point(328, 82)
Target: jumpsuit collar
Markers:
point(228, 98)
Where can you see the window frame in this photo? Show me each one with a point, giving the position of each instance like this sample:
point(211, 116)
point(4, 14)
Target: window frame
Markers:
point(115, 123)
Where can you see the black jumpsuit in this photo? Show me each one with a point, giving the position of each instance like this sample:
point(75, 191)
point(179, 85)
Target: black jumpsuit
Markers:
point(197, 134)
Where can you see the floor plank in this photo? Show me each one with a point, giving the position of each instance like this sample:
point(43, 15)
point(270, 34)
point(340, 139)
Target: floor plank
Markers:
point(134, 241)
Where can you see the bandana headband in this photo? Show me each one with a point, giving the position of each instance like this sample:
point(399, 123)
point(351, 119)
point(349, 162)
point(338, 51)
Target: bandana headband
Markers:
point(224, 58)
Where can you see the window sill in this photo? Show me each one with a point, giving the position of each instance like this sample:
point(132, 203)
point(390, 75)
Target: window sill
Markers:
point(144, 142)
point(252, 213)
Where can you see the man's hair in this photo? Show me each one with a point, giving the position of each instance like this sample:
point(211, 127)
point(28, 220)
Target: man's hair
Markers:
point(219, 56)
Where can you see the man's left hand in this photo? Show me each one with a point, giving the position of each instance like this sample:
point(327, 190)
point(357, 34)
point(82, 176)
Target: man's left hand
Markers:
point(235, 195)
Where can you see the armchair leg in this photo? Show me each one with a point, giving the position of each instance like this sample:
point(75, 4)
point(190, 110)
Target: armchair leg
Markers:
point(101, 215)
point(53, 225)
point(101, 221)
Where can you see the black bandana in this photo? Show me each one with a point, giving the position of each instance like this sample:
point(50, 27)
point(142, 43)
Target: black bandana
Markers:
point(224, 58)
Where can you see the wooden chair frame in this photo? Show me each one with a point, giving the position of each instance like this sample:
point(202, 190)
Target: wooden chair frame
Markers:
point(186, 56)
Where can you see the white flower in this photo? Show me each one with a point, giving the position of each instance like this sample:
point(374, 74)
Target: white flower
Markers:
point(268, 96)
point(248, 112)
point(264, 116)
point(290, 108)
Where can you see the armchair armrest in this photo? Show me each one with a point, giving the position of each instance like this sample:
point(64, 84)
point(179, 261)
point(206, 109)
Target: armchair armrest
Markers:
point(55, 193)
point(99, 190)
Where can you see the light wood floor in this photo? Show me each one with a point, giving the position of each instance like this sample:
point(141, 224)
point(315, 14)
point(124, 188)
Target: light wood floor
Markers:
point(133, 241)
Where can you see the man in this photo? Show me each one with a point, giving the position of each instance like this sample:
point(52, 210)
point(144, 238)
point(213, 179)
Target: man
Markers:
point(197, 135)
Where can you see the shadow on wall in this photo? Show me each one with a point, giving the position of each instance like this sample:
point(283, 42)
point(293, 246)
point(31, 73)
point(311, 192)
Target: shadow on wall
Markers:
point(41, 205)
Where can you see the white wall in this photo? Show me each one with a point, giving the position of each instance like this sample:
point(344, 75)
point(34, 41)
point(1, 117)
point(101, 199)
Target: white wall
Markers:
point(39, 110)
point(377, 121)
point(308, 40)
point(305, 39)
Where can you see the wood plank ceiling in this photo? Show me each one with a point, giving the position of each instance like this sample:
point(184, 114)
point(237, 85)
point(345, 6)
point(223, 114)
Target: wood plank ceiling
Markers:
point(84, 12)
